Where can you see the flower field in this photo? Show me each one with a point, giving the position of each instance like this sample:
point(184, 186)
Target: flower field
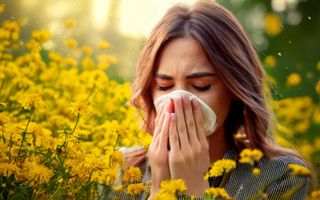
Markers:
point(62, 120)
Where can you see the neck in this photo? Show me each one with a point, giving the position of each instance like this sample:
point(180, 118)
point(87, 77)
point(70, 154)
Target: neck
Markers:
point(218, 145)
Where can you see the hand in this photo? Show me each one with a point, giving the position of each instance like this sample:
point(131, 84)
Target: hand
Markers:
point(189, 154)
point(158, 151)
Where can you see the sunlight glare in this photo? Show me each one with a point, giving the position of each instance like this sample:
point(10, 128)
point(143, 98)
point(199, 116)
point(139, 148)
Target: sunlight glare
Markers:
point(99, 13)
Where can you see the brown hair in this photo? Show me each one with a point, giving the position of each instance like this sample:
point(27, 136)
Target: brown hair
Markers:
point(236, 63)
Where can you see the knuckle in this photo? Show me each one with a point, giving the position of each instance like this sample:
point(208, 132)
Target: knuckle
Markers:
point(197, 150)
point(173, 136)
point(190, 124)
point(177, 160)
point(181, 129)
point(189, 156)
point(205, 146)
point(201, 120)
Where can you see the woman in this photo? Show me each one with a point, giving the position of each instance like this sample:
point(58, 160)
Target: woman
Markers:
point(204, 50)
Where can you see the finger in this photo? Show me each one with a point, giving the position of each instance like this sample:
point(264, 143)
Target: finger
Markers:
point(159, 120)
point(190, 121)
point(180, 122)
point(199, 121)
point(159, 112)
point(173, 134)
point(163, 141)
point(157, 130)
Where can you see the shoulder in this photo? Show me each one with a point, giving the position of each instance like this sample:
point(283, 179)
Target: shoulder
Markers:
point(286, 160)
point(278, 166)
point(287, 176)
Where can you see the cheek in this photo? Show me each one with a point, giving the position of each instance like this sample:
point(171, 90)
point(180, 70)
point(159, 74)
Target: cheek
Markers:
point(220, 104)
point(221, 107)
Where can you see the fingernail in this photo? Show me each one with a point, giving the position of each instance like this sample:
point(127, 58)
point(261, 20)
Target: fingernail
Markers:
point(194, 102)
point(166, 114)
point(173, 117)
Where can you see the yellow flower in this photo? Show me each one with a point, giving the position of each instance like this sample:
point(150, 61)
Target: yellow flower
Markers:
point(104, 44)
point(71, 43)
point(87, 63)
point(219, 167)
point(132, 174)
point(32, 101)
point(7, 56)
point(216, 193)
point(69, 23)
point(54, 56)
point(316, 144)
point(87, 50)
point(315, 195)
point(273, 24)
point(240, 136)
point(173, 186)
point(22, 82)
point(36, 173)
point(270, 61)
point(2, 7)
point(41, 36)
point(116, 158)
point(80, 107)
point(69, 61)
point(35, 128)
point(299, 170)
point(104, 176)
point(164, 195)
point(293, 79)
point(318, 65)
point(135, 188)
point(250, 156)
point(118, 187)
point(256, 171)
point(318, 87)
point(8, 169)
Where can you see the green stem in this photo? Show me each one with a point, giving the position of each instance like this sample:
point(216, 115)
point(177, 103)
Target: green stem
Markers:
point(225, 178)
point(1, 86)
point(10, 146)
point(90, 185)
point(114, 147)
point(24, 133)
point(75, 126)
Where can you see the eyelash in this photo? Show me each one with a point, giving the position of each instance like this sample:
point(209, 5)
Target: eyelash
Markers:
point(195, 87)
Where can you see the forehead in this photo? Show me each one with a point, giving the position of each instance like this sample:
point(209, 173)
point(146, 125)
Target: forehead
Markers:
point(184, 55)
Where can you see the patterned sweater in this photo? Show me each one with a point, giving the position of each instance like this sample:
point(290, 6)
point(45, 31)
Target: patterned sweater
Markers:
point(275, 180)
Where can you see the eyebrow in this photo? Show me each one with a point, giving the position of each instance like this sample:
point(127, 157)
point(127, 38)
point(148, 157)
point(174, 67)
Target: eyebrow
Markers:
point(190, 76)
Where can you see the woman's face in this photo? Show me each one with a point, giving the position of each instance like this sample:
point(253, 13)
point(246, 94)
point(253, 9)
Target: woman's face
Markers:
point(183, 65)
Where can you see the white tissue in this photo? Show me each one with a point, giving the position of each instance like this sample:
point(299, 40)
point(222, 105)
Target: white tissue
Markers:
point(209, 115)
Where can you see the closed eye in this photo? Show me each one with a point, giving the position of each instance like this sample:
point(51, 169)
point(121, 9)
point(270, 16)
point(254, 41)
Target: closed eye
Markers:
point(207, 87)
point(164, 88)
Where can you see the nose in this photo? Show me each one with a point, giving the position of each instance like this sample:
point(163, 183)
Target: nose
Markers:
point(181, 86)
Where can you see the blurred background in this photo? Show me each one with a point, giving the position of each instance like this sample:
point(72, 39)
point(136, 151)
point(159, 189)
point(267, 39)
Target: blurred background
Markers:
point(286, 34)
